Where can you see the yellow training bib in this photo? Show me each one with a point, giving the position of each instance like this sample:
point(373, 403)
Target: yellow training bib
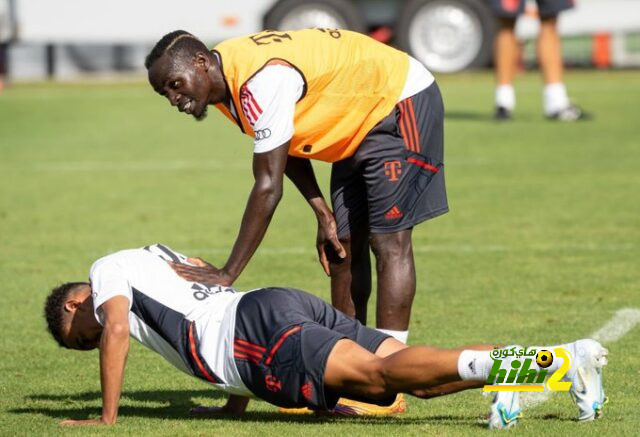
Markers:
point(351, 83)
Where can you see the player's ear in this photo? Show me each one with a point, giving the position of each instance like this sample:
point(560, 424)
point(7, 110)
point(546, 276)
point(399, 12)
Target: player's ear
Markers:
point(201, 60)
point(71, 305)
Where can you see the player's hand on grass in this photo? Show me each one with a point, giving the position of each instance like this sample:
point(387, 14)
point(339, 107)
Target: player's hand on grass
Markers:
point(202, 271)
point(201, 410)
point(328, 238)
point(84, 422)
point(236, 405)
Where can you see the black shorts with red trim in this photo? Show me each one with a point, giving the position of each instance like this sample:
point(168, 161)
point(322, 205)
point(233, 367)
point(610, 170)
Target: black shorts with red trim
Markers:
point(513, 8)
point(283, 338)
point(395, 180)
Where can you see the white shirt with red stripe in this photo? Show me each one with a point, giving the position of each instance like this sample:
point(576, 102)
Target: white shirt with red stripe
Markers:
point(144, 276)
point(269, 98)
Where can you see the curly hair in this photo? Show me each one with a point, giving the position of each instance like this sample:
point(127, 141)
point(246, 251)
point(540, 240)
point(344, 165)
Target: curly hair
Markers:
point(53, 312)
point(177, 42)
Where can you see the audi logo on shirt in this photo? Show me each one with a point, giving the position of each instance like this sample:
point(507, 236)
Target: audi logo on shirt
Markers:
point(262, 134)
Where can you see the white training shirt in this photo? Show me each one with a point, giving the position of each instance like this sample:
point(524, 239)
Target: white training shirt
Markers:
point(268, 100)
point(164, 308)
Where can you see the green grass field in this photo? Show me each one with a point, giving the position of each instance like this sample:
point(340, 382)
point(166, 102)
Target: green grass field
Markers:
point(541, 246)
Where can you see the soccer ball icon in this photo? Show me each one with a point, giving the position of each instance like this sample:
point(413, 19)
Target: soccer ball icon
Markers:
point(544, 359)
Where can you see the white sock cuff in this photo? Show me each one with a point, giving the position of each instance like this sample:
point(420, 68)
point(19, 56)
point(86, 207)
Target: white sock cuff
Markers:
point(506, 97)
point(401, 336)
point(471, 365)
point(555, 98)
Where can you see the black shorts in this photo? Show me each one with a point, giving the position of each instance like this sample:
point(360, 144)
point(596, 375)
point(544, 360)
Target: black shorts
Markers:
point(513, 8)
point(283, 338)
point(395, 180)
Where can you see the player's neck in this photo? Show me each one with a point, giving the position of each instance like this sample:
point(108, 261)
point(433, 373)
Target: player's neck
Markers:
point(219, 90)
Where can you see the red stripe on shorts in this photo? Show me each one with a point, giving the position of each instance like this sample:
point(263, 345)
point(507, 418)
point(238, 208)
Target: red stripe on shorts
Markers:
point(249, 344)
point(241, 349)
point(414, 126)
point(282, 338)
point(404, 129)
point(192, 348)
point(423, 164)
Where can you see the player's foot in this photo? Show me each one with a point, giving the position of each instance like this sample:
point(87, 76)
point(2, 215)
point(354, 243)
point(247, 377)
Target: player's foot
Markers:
point(586, 378)
point(348, 407)
point(570, 113)
point(505, 410)
point(295, 411)
point(502, 114)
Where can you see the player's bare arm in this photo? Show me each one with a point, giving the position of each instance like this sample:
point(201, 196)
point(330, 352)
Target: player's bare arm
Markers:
point(300, 172)
point(268, 172)
point(235, 406)
point(114, 347)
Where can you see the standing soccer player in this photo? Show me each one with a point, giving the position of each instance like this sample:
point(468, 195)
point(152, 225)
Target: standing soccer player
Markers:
point(335, 96)
point(556, 103)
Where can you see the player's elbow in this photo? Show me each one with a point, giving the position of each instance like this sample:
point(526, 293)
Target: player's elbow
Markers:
point(117, 330)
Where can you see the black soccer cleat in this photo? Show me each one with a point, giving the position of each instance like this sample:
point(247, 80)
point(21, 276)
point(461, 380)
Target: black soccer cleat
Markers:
point(570, 113)
point(502, 114)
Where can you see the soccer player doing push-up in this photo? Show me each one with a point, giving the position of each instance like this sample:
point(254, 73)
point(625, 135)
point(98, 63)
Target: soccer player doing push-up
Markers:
point(281, 345)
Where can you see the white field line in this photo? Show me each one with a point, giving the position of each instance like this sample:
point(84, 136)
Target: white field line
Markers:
point(623, 321)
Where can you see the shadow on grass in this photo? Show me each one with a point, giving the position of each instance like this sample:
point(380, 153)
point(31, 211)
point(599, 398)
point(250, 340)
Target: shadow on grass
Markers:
point(172, 396)
point(556, 417)
point(180, 401)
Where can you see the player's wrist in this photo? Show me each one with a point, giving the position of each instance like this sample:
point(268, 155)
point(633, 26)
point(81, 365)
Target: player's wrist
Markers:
point(108, 418)
point(105, 421)
point(323, 214)
point(228, 275)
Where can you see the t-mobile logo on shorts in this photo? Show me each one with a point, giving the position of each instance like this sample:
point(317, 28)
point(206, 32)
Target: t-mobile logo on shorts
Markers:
point(393, 169)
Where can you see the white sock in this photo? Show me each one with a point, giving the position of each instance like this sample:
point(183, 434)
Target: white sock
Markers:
point(506, 97)
point(476, 365)
point(554, 98)
point(401, 336)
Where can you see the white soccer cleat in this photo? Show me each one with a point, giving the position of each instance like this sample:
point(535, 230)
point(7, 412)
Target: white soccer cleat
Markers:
point(586, 379)
point(505, 410)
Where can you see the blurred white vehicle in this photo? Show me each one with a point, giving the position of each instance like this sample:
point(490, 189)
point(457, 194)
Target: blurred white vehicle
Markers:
point(446, 35)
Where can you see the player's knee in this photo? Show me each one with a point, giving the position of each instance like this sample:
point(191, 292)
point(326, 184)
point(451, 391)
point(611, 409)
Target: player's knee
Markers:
point(391, 246)
point(377, 384)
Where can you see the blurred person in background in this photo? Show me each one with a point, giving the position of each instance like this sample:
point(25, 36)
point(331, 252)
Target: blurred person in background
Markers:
point(556, 103)
point(5, 37)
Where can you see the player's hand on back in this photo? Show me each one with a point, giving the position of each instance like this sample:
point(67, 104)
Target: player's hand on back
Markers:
point(201, 271)
point(327, 237)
